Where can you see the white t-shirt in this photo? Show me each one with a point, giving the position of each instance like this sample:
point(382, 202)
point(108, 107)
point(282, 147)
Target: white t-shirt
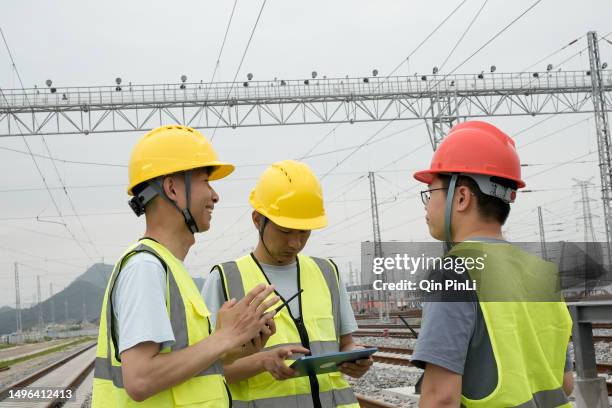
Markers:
point(139, 303)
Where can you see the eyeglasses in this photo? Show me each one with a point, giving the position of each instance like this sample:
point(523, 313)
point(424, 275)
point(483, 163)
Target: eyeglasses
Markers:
point(426, 194)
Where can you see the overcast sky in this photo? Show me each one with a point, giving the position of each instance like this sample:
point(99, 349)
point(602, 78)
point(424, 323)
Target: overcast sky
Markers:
point(90, 43)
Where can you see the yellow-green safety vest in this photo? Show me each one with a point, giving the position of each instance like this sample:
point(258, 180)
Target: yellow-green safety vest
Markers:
point(317, 329)
point(189, 318)
point(528, 324)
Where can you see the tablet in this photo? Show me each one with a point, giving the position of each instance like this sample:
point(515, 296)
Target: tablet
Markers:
point(327, 363)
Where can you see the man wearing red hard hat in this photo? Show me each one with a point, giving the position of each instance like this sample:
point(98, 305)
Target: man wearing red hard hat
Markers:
point(502, 347)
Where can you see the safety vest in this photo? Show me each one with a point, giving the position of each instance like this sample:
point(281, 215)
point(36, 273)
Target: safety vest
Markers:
point(317, 329)
point(189, 317)
point(527, 321)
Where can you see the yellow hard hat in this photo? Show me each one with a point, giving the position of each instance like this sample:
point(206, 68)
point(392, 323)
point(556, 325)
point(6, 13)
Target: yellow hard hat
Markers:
point(289, 194)
point(171, 149)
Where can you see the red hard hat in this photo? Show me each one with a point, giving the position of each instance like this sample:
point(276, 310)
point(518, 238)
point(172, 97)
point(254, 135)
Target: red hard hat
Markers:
point(475, 147)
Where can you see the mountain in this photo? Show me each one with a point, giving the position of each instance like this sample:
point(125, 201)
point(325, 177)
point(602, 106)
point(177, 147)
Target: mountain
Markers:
point(83, 297)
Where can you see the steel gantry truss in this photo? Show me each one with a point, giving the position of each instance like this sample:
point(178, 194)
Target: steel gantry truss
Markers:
point(439, 100)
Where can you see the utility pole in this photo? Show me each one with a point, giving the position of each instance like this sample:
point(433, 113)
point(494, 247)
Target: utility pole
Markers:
point(602, 129)
point(65, 307)
point(378, 245)
point(542, 237)
point(52, 302)
point(84, 312)
point(18, 300)
point(41, 323)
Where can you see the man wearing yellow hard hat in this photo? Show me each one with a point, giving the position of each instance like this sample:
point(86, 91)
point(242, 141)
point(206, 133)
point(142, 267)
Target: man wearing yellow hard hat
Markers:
point(156, 347)
point(288, 204)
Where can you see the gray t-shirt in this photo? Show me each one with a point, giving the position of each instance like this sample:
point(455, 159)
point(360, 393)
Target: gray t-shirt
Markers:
point(284, 278)
point(139, 303)
point(454, 336)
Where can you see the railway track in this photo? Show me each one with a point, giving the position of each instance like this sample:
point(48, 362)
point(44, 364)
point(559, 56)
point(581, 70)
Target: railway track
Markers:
point(408, 335)
point(68, 373)
point(418, 326)
point(26, 350)
point(602, 368)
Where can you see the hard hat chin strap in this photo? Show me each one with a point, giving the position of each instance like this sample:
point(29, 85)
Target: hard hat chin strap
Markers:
point(448, 237)
point(189, 220)
point(155, 187)
point(262, 228)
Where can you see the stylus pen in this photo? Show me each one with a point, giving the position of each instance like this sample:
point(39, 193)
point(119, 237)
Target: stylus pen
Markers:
point(286, 302)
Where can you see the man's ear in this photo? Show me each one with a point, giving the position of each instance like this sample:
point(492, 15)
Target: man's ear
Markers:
point(463, 198)
point(256, 219)
point(169, 184)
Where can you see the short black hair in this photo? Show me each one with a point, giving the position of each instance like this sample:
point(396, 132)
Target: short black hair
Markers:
point(489, 207)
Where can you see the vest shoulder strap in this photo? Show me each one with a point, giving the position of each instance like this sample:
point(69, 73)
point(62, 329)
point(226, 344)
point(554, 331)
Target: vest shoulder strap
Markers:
point(230, 279)
point(109, 314)
point(330, 272)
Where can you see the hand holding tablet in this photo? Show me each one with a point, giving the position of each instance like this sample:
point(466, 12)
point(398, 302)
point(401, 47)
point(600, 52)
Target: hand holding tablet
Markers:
point(329, 362)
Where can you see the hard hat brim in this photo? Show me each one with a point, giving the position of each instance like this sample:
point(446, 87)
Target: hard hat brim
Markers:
point(427, 176)
point(220, 170)
point(307, 224)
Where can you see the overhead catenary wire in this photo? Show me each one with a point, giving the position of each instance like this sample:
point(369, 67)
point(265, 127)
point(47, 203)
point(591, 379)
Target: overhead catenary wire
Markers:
point(14, 66)
point(559, 165)
point(212, 78)
point(463, 34)
point(427, 38)
point(55, 204)
point(500, 32)
point(263, 4)
point(547, 135)
point(393, 71)
point(489, 41)
point(552, 54)
point(52, 158)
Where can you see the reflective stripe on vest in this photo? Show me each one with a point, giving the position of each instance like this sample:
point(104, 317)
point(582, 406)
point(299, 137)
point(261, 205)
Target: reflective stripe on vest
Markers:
point(546, 399)
point(113, 373)
point(108, 369)
point(529, 339)
point(320, 314)
point(331, 398)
